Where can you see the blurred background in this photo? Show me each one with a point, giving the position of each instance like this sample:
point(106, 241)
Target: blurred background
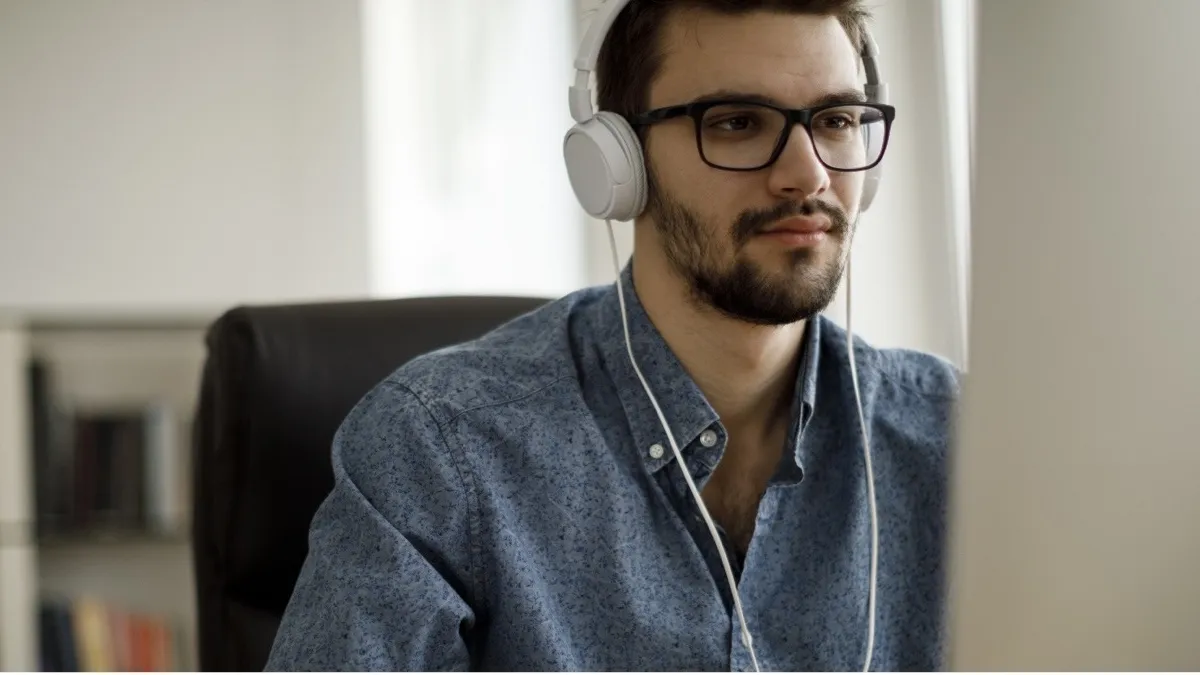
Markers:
point(162, 161)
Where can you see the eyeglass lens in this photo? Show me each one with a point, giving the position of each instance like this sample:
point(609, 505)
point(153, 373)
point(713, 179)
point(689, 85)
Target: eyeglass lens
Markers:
point(744, 136)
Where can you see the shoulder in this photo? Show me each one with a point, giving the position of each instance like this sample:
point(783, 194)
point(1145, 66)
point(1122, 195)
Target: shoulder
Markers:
point(512, 362)
point(402, 424)
point(912, 372)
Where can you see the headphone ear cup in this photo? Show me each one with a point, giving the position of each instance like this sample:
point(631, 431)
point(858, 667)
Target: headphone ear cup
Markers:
point(877, 92)
point(606, 167)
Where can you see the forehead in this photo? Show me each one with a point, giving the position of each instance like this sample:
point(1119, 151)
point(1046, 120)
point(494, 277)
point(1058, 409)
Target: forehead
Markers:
point(793, 58)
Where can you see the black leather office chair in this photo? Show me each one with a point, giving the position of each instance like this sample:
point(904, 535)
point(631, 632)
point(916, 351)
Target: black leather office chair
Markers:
point(276, 385)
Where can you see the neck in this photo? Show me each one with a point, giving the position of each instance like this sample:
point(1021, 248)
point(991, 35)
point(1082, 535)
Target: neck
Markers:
point(746, 372)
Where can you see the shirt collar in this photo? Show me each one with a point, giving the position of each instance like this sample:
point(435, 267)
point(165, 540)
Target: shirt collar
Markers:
point(682, 403)
point(806, 385)
point(686, 409)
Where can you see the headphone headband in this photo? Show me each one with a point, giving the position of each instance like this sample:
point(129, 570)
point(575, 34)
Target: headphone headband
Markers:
point(580, 94)
point(589, 52)
point(593, 39)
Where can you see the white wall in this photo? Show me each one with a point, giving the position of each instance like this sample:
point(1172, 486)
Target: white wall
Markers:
point(177, 153)
point(905, 261)
point(1077, 541)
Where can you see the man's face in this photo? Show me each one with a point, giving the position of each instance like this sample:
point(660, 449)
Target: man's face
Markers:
point(712, 224)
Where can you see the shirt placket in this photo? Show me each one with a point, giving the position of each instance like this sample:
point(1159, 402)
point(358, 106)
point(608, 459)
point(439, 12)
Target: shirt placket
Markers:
point(702, 455)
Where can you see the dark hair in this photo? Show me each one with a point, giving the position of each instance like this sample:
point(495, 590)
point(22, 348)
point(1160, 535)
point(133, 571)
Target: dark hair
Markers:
point(631, 55)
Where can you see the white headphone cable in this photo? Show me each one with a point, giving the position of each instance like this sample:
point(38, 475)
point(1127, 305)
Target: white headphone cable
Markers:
point(870, 476)
point(712, 528)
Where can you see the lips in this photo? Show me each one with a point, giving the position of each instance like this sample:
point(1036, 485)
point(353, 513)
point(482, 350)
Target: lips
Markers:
point(791, 223)
point(799, 225)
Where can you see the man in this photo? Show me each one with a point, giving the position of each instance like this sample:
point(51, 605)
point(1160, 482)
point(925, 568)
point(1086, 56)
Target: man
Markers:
point(515, 504)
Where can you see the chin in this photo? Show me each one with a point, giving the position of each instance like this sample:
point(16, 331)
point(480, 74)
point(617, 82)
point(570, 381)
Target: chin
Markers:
point(796, 265)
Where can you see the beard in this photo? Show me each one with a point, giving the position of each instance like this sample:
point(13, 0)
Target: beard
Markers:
point(743, 290)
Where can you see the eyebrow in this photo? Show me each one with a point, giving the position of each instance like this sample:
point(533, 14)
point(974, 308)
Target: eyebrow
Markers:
point(842, 97)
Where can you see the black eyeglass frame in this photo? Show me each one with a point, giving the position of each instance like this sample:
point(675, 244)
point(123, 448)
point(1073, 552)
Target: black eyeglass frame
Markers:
point(801, 116)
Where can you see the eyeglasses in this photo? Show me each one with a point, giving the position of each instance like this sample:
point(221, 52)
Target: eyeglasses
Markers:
point(737, 135)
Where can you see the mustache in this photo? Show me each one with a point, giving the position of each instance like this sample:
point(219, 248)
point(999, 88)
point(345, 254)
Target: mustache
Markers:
point(752, 222)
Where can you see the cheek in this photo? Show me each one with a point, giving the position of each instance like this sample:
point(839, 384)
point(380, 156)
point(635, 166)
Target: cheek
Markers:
point(672, 157)
point(716, 196)
point(706, 192)
point(847, 189)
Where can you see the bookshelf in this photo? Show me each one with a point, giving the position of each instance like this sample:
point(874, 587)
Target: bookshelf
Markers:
point(95, 551)
point(17, 552)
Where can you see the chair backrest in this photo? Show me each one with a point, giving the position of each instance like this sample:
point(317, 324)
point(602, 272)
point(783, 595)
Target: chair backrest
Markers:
point(277, 383)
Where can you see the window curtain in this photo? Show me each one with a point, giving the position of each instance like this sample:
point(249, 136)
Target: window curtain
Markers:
point(958, 51)
point(466, 107)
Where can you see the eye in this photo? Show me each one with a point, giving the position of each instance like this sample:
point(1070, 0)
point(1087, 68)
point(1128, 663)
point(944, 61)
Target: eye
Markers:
point(735, 123)
point(738, 119)
point(840, 120)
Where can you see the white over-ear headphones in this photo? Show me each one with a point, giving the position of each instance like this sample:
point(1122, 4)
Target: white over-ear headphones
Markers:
point(603, 154)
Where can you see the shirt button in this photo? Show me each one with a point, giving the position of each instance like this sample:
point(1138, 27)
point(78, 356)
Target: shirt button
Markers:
point(708, 438)
point(656, 451)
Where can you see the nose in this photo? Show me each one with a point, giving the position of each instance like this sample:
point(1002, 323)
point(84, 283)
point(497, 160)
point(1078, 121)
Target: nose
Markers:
point(798, 174)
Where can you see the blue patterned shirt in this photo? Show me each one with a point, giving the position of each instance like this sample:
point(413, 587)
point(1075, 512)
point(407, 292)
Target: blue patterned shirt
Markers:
point(504, 505)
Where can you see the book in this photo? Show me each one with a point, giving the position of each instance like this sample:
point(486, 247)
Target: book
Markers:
point(87, 634)
point(105, 473)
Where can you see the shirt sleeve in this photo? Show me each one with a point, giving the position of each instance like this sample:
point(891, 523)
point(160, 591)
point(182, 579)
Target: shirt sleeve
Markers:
point(387, 583)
